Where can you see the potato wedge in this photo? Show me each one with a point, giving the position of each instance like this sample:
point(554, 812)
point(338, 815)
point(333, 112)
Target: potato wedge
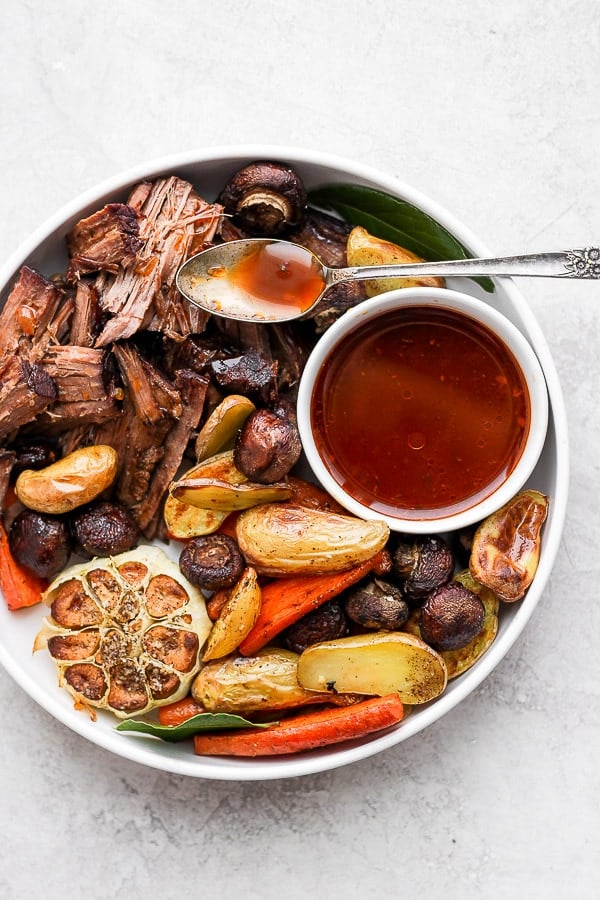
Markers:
point(72, 481)
point(236, 618)
point(506, 546)
point(219, 467)
point(458, 661)
point(266, 681)
point(207, 493)
point(220, 429)
point(216, 484)
point(282, 539)
point(379, 663)
point(366, 250)
point(184, 521)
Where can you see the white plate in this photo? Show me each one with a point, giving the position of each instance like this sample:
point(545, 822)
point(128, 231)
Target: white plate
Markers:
point(208, 170)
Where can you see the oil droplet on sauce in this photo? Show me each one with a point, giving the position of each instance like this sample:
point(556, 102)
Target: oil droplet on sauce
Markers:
point(459, 437)
point(280, 274)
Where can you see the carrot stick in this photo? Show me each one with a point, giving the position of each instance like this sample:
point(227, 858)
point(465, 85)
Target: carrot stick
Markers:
point(305, 732)
point(179, 711)
point(286, 600)
point(215, 604)
point(228, 525)
point(20, 587)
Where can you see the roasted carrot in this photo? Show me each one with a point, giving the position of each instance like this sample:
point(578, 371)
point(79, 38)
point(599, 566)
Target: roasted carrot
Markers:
point(215, 604)
point(286, 600)
point(179, 711)
point(305, 732)
point(228, 526)
point(20, 587)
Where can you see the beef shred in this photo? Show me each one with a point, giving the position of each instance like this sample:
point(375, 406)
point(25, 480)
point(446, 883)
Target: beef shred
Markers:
point(110, 353)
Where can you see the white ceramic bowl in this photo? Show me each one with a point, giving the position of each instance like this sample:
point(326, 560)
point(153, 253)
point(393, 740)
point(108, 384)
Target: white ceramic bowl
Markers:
point(479, 311)
point(209, 169)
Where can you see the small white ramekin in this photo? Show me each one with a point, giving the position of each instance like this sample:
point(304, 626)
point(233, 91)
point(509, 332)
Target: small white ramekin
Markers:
point(481, 312)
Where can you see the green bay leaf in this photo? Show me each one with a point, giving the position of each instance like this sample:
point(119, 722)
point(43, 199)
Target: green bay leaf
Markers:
point(393, 220)
point(194, 725)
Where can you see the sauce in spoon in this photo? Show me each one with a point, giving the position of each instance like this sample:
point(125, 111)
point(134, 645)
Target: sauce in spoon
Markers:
point(265, 282)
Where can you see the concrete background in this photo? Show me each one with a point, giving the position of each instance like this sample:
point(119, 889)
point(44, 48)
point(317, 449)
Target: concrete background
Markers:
point(491, 109)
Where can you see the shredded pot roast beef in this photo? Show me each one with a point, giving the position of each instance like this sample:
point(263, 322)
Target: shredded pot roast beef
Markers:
point(111, 353)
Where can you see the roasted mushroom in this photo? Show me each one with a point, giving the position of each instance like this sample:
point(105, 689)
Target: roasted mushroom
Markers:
point(104, 529)
point(326, 623)
point(377, 604)
point(451, 617)
point(265, 199)
point(40, 542)
point(268, 446)
point(212, 561)
point(32, 454)
point(423, 565)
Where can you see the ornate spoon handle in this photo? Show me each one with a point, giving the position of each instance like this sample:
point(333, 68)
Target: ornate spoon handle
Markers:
point(584, 263)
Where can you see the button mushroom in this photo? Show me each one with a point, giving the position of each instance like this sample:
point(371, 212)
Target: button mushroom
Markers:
point(32, 454)
point(378, 604)
point(105, 529)
point(268, 446)
point(265, 198)
point(212, 561)
point(423, 565)
point(326, 623)
point(451, 617)
point(40, 542)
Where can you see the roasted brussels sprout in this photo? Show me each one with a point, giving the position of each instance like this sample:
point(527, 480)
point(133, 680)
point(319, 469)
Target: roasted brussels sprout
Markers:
point(40, 542)
point(451, 617)
point(212, 561)
point(105, 529)
point(377, 604)
point(265, 198)
point(422, 566)
point(324, 624)
point(268, 446)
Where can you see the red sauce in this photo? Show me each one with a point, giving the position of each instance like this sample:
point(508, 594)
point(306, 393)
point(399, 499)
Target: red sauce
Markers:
point(281, 274)
point(421, 413)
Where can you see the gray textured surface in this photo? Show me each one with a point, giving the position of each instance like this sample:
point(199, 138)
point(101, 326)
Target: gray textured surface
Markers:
point(492, 109)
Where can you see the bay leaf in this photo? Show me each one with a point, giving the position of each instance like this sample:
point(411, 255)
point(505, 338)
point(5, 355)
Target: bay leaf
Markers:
point(195, 725)
point(393, 220)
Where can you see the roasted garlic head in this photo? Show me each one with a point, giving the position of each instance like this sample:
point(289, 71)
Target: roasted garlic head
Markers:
point(125, 632)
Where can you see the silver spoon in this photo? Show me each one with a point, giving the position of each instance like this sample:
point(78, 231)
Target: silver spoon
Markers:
point(267, 280)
